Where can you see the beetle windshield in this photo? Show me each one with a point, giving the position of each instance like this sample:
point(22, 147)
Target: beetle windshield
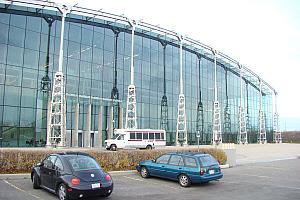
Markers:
point(80, 162)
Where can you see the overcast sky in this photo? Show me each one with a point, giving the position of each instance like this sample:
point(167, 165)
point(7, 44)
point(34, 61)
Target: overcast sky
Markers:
point(263, 35)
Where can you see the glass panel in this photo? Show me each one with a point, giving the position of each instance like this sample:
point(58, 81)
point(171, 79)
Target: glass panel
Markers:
point(29, 78)
point(18, 21)
point(4, 18)
point(15, 56)
point(32, 40)
point(12, 96)
point(28, 97)
point(26, 138)
point(16, 36)
point(31, 59)
point(8, 118)
point(1, 97)
point(34, 23)
point(10, 136)
point(3, 33)
point(13, 75)
point(27, 118)
point(2, 73)
point(3, 51)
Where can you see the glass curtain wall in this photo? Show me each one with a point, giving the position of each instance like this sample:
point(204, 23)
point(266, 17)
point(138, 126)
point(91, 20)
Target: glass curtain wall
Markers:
point(88, 64)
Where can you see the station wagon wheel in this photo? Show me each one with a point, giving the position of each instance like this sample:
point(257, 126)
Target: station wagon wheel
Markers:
point(184, 180)
point(35, 181)
point(144, 172)
point(113, 147)
point(62, 192)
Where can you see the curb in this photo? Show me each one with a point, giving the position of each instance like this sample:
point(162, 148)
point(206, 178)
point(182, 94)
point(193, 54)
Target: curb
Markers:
point(226, 166)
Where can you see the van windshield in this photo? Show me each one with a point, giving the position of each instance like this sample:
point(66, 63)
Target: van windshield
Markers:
point(115, 136)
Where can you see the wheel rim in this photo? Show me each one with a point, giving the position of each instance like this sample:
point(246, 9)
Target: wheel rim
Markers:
point(62, 193)
point(144, 172)
point(184, 180)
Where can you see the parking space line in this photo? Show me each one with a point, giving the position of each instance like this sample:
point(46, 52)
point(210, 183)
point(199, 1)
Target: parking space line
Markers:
point(133, 178)
point(12, 185)
point(154, 183)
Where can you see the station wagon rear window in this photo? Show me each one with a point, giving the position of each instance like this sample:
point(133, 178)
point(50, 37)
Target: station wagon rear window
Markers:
point(208, 160)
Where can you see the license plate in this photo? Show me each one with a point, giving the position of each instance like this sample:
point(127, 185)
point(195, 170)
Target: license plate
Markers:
point(211, 171)
point(96, 185)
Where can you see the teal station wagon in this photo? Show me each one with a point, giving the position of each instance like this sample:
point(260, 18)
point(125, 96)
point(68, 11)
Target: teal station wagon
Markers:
point(186, 168)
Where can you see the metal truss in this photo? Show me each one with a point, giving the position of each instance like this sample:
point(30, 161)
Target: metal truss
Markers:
point(277, 133)
point(57, 130)
point(227, 116)
point(181, 133)
point(57, 124)
point(217, 130)
point(164, 101)
point(200, 117)
point(242, 136)
point(262, 137)
point(131, 121)
point(115, 91)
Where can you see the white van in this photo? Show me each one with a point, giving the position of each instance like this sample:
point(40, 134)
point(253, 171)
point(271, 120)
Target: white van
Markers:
point(136, 138)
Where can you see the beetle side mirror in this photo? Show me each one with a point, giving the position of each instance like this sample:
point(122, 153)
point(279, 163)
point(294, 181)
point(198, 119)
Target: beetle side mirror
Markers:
point(40, 164)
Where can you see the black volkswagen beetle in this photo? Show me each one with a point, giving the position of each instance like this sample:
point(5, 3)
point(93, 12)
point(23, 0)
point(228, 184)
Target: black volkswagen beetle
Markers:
point(72, 175)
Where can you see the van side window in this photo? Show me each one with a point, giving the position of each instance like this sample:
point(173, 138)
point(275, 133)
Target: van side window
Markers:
point(139, 136)
point(132, 136)
point(190, 162)
point(162, 136)
point(157, 136)
point(145, 136)
point(151, 136)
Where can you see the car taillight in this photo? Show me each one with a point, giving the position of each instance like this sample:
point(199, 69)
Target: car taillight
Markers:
point(202, 171)
point(75, 181)
point(107, 177)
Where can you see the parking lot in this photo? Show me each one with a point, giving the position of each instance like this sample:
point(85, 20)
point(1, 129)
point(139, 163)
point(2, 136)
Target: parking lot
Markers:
point(269, 180)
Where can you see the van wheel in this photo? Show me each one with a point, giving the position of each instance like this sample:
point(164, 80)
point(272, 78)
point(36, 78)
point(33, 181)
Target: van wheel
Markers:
point(148, 147)
point(184, 180)
point(113, 147)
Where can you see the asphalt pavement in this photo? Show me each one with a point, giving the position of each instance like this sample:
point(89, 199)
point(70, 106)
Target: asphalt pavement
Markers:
point(277, 180)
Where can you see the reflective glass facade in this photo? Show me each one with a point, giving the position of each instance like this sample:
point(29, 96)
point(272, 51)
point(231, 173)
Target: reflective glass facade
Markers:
point(92, 48)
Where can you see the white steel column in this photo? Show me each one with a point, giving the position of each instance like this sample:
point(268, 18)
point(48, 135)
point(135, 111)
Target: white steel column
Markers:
point(262, 126)
point(217, 132)
point(131, 121)
point(87, 131)
point(181, 133)
point(75, 131)
point(242, 138)
point(111, 122)
point(98, 140)
point(277, 134)
point(57, 125)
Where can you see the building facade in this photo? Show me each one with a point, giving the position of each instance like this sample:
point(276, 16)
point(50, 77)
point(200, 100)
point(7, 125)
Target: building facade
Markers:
point(96, 68)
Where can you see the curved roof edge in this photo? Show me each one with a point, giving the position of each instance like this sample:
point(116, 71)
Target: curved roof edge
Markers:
point(156, 30)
